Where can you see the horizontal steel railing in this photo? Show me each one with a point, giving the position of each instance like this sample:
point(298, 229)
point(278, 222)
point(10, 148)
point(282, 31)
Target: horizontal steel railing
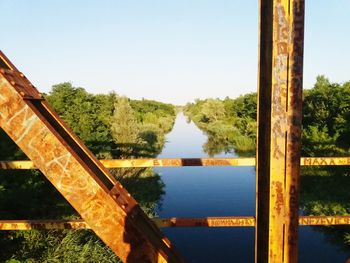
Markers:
point(228, 221)
point(180, 162)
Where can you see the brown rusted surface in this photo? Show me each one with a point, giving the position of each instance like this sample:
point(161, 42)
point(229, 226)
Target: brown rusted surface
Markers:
point(17, 165)
point(21, 84)
point(115, 217)
point(125, 163)
point(42, 224)
point(323, 161)
point(230, 221)
point(176, 162)
point(279, 129)
point(246, 221)
point(324, 220)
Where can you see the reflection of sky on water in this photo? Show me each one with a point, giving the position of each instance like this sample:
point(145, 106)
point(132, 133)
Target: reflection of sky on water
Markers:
point(186, 140)
point(219, 191)
point(207, 191)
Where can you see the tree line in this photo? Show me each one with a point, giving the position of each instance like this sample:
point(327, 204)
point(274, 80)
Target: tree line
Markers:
point(113, 126)
point(325, 125)
point(230, 124)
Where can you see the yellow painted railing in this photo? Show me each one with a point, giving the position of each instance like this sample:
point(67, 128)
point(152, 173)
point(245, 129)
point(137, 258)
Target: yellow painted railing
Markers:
point(177, 162)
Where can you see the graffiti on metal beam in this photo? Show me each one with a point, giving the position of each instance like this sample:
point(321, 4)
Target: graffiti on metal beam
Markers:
point(324, 220)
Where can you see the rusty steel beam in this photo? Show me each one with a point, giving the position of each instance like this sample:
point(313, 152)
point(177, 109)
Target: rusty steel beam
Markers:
point(100, 199)
point(246, 221)
point(42, 224)
point(151, 162)
point(229, 221)
point(176, 162)
point(281, 43)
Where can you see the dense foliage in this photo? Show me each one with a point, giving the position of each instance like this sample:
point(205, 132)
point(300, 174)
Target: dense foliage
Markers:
point(326, 119)
point(97, 118)
point(326, 132)
point(112, 127)
point(229, 123)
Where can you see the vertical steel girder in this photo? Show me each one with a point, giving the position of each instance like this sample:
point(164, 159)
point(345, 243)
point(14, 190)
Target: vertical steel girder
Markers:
point(279, 130)
point(102, 202)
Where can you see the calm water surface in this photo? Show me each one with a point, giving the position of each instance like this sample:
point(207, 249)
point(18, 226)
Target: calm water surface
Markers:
point(220, 191)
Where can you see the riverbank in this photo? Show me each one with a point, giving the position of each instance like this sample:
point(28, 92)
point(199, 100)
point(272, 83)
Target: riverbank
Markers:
point(229, 123)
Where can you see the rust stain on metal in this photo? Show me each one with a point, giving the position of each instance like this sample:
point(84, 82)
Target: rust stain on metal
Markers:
point(324, 220)
point(21, 84)
point(42, 224)
point(77, 174)
point(230, 221)
point(278, 196)
point(294, 129)
point(125, 163)
point(280, 73)
point(320, 161)
point(280, 83)
point(206, 222)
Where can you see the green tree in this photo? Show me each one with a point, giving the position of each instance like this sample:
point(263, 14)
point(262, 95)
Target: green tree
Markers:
point(326, 115)
point(88, 115)
point(246, 106)
point(213, 110)
point(124, 127)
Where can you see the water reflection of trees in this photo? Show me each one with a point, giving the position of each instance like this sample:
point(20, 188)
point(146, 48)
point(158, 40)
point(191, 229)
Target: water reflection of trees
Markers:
point(325, 191)
point(145, 186)
point(216, 145)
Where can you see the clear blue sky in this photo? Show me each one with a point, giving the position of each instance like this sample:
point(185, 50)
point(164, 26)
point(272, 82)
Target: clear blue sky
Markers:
point(172, 51)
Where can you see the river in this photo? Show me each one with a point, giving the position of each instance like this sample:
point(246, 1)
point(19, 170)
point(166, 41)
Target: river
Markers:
point(220, 191)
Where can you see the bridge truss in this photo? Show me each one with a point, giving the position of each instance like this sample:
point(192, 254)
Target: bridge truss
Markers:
point(111, 212)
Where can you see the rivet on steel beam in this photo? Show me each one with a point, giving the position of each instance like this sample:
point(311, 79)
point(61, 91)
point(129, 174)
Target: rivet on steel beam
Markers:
point(13, 82)
point(22, 93)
